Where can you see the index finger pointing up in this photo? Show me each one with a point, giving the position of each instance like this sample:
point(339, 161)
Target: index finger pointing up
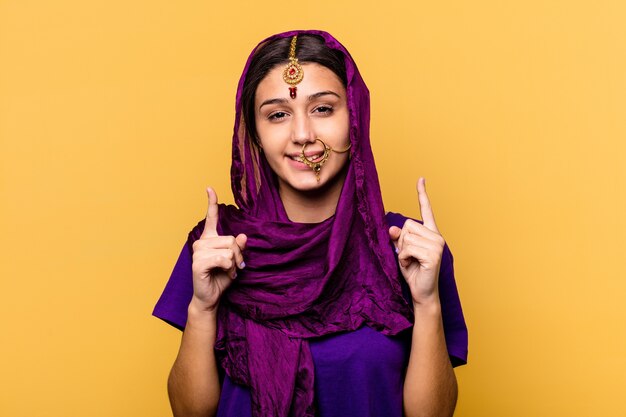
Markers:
point(427, 213)
point(210, 225)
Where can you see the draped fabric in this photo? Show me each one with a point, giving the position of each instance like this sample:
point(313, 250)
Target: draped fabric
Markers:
point(303, 280)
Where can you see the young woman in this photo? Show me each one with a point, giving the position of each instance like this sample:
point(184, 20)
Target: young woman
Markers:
point(307, 299)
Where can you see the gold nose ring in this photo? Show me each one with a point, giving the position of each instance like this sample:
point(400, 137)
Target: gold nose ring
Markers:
point(316, 166)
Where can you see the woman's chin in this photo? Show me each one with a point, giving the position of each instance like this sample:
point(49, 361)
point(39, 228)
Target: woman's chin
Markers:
point(305, 182)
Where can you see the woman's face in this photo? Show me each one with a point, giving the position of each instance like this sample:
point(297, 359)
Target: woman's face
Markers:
point(284, 125)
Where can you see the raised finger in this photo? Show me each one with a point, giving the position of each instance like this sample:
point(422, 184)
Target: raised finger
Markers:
point(427, 213)
point(210, 225)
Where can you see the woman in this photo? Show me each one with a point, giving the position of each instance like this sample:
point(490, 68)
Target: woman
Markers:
point(307, 299)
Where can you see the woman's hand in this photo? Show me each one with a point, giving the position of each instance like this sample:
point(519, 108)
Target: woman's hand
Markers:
point(215, 260)
point(420, 248)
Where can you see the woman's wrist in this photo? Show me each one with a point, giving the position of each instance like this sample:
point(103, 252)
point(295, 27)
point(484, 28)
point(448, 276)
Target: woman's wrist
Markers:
point(199, 315)
point(427, 301)
point(197, 306)
point(429, 307)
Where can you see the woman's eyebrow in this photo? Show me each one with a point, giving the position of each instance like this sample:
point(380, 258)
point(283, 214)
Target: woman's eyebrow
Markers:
point(322, 93)
point(309, 98)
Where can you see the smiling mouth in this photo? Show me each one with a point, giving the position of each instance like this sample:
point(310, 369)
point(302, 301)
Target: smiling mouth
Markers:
point(312, 158)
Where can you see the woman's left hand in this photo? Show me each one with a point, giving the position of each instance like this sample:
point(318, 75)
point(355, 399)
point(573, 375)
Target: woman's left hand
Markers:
point(420, 247)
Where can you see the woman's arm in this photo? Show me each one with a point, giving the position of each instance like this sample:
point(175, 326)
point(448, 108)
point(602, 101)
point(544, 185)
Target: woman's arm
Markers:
point(430, 387)
point(193, 384)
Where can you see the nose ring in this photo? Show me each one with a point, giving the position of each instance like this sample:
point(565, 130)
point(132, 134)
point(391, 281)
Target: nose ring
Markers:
point(316, 166)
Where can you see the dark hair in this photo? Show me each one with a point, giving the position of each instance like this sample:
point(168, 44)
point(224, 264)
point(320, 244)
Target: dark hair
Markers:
point(309, 48)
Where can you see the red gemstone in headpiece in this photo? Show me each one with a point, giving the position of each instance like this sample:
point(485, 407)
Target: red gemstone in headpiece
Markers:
point(292, 71)
point(292, 92)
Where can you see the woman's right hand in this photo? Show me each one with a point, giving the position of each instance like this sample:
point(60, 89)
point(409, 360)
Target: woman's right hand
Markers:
point(215, 260)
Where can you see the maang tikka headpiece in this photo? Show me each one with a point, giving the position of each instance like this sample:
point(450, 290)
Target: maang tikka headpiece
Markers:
point(293, 71)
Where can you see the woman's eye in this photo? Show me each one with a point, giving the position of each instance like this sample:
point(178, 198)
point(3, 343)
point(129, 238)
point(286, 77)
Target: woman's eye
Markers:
point(277, 115)
point(324, 109)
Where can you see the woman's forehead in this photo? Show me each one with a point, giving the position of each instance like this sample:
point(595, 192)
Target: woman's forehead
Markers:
point(316, 78)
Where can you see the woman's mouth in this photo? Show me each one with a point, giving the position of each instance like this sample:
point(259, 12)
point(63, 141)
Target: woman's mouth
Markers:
point(296, 161)
point(312, 158)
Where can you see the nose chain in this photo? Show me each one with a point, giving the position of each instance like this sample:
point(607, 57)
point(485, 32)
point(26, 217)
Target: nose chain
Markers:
point(316, 166)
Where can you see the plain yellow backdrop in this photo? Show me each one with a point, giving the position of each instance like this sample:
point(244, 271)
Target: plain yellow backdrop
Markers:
point(115, 116)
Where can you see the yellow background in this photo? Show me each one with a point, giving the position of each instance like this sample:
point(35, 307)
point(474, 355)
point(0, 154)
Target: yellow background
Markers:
point(115, 115)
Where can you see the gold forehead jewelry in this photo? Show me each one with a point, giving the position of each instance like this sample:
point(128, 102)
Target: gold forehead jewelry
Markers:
point(293, 73)
point(316, 166)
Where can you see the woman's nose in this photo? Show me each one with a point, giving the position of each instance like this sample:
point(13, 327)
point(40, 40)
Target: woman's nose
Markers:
point(302, 130)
